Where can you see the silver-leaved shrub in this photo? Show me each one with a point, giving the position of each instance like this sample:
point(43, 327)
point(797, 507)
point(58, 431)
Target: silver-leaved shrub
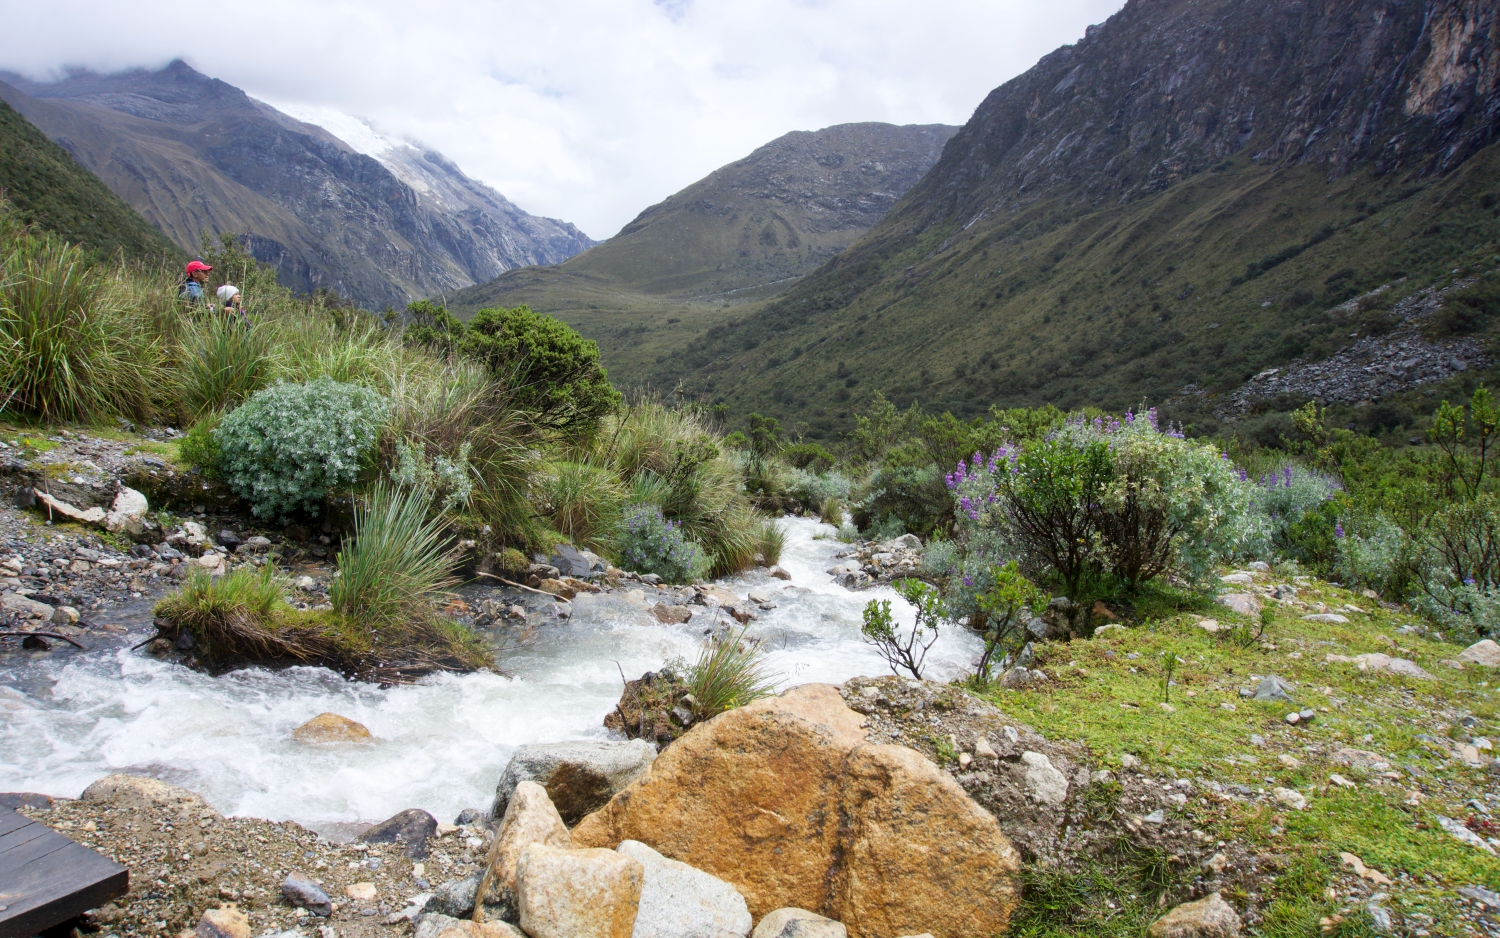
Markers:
point(288, 445)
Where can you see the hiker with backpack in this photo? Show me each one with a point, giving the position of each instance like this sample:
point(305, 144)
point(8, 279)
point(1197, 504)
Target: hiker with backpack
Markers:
point(192, 286)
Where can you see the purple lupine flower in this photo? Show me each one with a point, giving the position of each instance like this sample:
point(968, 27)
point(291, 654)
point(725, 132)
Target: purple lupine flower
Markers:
point(1287, 474)
point(1244, 476)
point(1129, 417)
point(974, 515)
point(1468, 581)
point(1338, 529)
point(968, 581)
point(978, 459)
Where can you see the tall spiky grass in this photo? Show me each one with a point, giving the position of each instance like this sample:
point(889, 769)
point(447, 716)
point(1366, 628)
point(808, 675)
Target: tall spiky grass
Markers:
point(730, 672)
point(73, 345)
point(583, 502)
point(397, 563)
point(222, 362)
point(241, 616)
point(674, 459)
point(770, 542)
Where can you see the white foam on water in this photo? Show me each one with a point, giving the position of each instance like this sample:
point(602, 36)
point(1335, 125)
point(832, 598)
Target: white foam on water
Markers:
point(440, 745)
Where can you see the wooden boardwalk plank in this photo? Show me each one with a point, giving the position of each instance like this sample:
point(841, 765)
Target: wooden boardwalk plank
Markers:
point(45, 878)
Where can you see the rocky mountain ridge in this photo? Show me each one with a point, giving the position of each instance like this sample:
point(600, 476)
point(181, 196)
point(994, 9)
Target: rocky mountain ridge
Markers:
point(745, 231)
point(194, 154)
point(1176, 199)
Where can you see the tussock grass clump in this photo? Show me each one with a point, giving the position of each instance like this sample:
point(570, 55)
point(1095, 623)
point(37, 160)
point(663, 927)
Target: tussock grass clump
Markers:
point(76, 348)
point(583, 501)
point(244, 616)
point(831, 511)
point(222, 362)
point(771, 542)
point(398, 562)
point(730, 672)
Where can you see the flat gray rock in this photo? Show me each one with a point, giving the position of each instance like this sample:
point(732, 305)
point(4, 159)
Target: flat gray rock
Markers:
point(798, 923)
point(679, 901)
point(579, 775)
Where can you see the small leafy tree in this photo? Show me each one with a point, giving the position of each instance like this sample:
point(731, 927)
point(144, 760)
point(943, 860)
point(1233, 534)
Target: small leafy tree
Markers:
point(765, 438)
point(432, 326)
point(1169, 662)
point(1004, 609)
point(1468, 442)
point(553, 372)
point(905, 650)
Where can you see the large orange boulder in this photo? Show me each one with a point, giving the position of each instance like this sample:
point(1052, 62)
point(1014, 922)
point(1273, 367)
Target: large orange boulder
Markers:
point(787, 800)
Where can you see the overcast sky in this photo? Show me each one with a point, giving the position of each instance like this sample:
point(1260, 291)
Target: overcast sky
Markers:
point(585, 110)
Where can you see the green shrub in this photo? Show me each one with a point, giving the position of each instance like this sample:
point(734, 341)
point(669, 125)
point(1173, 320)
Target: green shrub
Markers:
point(905, 649)
point(289, 444)
point(809, 456)
point(649, 543)
point(223, 362)
point(432, 327)
point(812, 489)
point(1004, 609)
point(553, 372)
point(912, 497)
point(199, 447)
point(400, 558)
point(73, 346)
point(1457, 566)
point(449, 480)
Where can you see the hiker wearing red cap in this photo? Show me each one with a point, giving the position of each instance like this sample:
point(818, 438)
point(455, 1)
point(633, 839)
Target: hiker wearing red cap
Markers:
point(192, 286)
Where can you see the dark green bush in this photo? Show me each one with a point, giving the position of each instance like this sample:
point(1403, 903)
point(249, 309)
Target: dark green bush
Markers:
point(554, 373)
point(200, 448)
point(432, 327)
point(809, 456)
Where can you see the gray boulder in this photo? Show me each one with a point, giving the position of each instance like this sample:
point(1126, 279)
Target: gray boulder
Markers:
point(798, 923)
point(454, 898)
point(679, 901)
point(305, 894)
point(579, 775)
point(412, 828)
point(1273, 688)
point(575, 562)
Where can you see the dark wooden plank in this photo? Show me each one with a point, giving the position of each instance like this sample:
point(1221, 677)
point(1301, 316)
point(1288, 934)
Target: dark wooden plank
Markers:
point(13, 820)
point(45, 878)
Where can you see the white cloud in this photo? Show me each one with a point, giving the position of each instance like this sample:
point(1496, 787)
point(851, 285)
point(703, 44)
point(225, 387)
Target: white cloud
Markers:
point(586, 110)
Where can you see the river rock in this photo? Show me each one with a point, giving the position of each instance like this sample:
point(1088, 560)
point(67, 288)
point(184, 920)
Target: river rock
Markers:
point(579, 775)
point(671, 615)
point(132, 791)
point(412, 828)
point(1044, 783)
point(1484, 652)
point(1329, 618)
point(455, 898)
point(798, 923)
point(331, 729)
point(437, 925)
point(1246, 604)
point(577, 893)
point(530, 818)
point(127, 514)
point(305, 894)
point(226, 921)
point(25, 607)
point(1376, 661)
point(678, 901)
point(1209, 917)
point(786, 800)
point(54, 507)
point(571, 561)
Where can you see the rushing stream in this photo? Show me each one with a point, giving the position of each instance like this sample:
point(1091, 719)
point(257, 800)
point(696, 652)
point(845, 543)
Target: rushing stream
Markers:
point(66, 720)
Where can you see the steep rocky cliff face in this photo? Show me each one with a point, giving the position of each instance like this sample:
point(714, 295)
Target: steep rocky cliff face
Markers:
point(748, 229)
point(1178, 201)
point(194, 154)
point(1167, 88)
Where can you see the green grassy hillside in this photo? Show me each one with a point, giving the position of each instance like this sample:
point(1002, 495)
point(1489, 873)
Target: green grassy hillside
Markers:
point(53, 191)
point(1204, 285)
point(745, 232)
